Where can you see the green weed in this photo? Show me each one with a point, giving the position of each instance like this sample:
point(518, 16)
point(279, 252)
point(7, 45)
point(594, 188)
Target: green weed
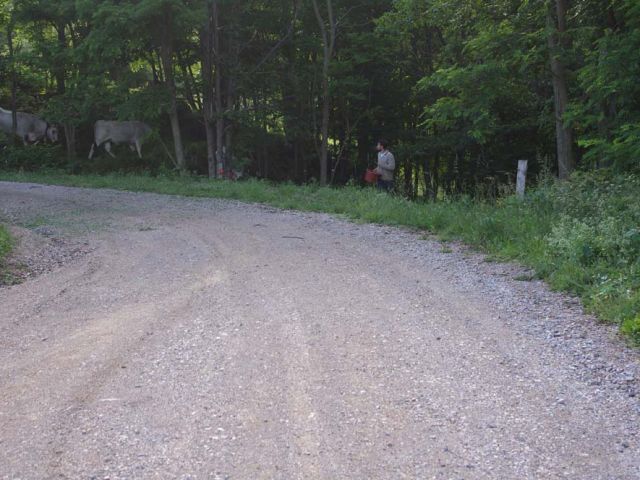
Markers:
point(6, 243)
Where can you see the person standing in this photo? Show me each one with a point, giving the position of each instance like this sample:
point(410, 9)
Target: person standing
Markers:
point(386, 167)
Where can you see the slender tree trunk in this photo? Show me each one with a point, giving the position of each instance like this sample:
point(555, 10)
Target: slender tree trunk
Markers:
point(436, 177)
point(449, 174)
point(70, 138)
point(296, 160)
point(609, 104)
point(166, 52)
point(61, 88)
point(457, 174)
point(219, 113)
point(428, 180)
point(218, 98)
point(69, 128)
point(187, 76)
point(328, 46)
point(557, 40)
point(59, 65)
point(324, 123)
point(14, 84)
point(363, 147)
point(292, 107)
point(228, 128)
point(211, 147)
point(207, 94)
point(408, 177)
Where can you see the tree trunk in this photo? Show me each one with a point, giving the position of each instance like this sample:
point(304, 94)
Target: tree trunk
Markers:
point(609, 104)
point(166, 51)
point(189, 88)
point(429, 193)
point(61, 88)
point(219, 113)
point(435, 177)
point(59, 65)
point(296, 161)
point(14, 85)
point(70, 138)
point(211, 147)
point(557, 44)
point(228, 129)
point(408, 178)
point(219, 108)
point(449, 173)
point(292, 100)
point(324, 125)
point(328, 47)
point(207, 87)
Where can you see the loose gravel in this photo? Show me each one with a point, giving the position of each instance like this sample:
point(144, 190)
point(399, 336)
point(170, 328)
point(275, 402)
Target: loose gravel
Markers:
point(190, 338)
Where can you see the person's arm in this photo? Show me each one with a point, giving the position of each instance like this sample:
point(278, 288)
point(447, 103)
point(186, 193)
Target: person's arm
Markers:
point(377, 169)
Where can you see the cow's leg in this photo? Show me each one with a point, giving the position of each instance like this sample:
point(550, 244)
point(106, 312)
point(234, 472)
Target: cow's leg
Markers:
point(139, 148)
point(93, 148)
point(107, 147)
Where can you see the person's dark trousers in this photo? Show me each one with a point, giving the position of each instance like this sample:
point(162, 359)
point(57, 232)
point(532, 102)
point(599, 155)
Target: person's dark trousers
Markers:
point(385, 185)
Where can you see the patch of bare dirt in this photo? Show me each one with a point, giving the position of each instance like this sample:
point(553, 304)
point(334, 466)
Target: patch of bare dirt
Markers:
point(38, 251)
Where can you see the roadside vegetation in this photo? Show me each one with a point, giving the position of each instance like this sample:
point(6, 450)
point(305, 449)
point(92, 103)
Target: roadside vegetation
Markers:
point(582, 236)
point(6, 243)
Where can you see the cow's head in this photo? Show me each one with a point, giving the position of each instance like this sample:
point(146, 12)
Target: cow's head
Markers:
point(52, 133)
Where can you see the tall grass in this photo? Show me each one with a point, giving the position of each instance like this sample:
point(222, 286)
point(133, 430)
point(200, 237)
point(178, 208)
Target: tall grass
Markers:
point(581, 236)
point(6, 244)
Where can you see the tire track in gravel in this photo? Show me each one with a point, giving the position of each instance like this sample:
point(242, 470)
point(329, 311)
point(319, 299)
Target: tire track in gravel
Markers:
point(261, 344)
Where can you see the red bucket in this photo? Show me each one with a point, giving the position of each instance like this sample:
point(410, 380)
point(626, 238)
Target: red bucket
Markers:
point(370, 176)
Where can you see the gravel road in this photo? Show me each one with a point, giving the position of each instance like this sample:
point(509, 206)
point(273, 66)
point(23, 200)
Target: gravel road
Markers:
point(207, 339)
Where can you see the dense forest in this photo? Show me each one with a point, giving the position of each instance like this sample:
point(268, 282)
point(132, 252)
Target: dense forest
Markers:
point(301, 90)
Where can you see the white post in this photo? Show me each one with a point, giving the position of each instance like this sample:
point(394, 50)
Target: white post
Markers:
point(522, 177)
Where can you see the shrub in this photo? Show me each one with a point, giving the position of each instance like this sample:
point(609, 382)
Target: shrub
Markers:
point(631, 327)
point(32, 158)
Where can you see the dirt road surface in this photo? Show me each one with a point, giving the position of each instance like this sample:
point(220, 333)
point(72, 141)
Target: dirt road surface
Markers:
point(204, 339)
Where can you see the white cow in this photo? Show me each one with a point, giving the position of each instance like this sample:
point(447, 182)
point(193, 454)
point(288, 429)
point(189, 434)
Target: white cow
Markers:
point(108, 132)
point(30, 128)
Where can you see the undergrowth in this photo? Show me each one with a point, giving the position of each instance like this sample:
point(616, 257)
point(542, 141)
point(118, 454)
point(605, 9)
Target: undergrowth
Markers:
point(582, 236)
point(6, 243)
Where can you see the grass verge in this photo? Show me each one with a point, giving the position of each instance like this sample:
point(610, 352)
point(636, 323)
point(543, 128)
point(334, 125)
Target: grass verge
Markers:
point(581, 236)
point(6, 244)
